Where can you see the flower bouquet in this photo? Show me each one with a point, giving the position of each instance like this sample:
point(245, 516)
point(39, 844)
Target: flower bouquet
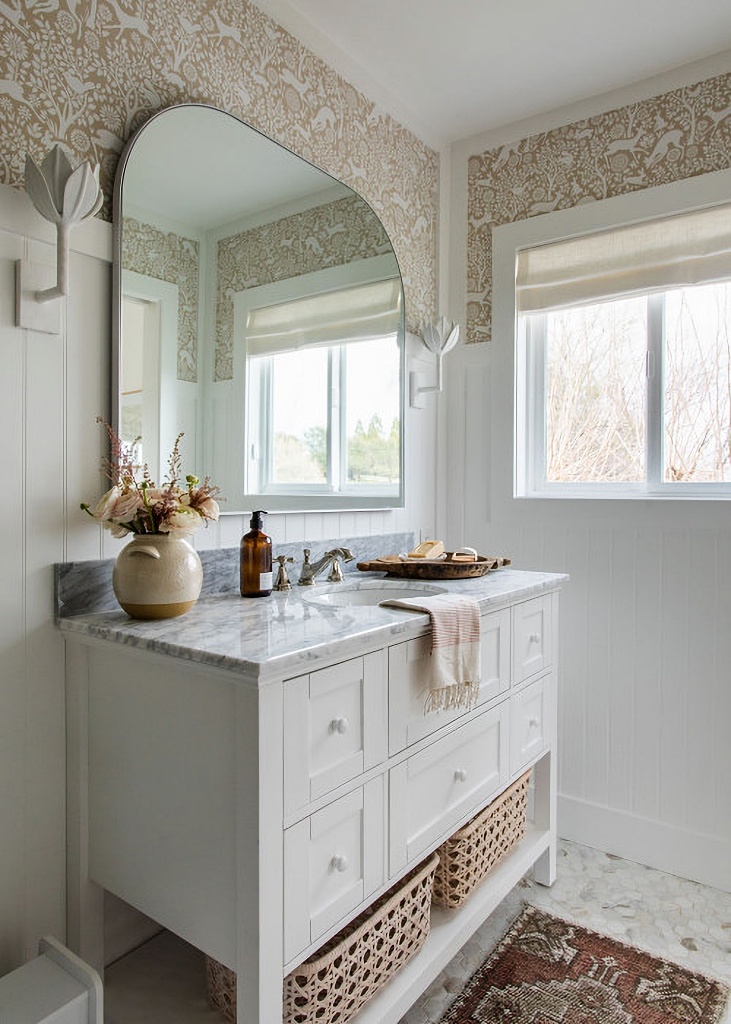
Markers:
point(158, 575)
point(135, 504)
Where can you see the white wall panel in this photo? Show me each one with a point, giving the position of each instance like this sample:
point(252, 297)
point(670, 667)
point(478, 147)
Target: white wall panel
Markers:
point(12, 615)
point(52, 388)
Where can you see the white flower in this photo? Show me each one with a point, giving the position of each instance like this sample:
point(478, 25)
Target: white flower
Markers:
point(100, 510)
point(208, 509)
point(117, 529)
point(181, 523)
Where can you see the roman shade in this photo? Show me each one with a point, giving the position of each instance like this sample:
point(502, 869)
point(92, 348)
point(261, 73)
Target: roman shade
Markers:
point(359, 313)
point(686, 249)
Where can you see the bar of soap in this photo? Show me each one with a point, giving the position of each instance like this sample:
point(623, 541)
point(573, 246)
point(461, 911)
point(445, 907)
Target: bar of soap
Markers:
point(428, 549)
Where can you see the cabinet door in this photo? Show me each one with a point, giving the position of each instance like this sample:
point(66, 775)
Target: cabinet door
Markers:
point(333, 860)
point(409, 671)
point(335, 727)
point(531, 637)
point(435, 790)
point(530, 723)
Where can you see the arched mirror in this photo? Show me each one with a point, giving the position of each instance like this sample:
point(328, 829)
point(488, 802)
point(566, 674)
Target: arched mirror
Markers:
point(258, 308)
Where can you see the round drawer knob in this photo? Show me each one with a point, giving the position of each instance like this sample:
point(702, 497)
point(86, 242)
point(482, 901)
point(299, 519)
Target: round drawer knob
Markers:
point(535, 638)
point(339, 725)
point(460, 775)
point(339, 862)
point(533, 723)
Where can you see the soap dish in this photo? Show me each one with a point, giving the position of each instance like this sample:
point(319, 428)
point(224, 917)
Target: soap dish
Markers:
point(452, 567)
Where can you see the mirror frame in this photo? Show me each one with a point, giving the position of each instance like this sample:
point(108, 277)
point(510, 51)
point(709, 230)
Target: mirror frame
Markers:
point(322, 502)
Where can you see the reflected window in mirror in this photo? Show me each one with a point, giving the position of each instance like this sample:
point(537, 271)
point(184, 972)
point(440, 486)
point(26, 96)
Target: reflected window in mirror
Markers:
point(324, 410)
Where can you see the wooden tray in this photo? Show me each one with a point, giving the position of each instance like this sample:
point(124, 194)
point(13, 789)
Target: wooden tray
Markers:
point(449, 568)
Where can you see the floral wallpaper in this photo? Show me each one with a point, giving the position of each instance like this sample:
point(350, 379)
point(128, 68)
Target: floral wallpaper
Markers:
point(677, 135)
point(325, 236)
point(169, 257)
point(87, 73)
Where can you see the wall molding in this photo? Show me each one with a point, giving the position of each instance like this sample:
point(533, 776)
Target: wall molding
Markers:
point(702, 858)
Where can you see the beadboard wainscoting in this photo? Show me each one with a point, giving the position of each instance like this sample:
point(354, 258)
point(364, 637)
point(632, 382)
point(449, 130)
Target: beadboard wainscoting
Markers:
point(51, 390)
point(645, 697)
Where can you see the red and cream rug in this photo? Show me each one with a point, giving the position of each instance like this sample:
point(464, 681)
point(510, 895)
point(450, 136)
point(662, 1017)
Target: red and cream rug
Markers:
point(548, 971)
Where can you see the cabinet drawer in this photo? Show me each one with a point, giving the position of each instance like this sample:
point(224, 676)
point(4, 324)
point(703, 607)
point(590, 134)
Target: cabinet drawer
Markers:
point(435, 789)
point(531, 637)
point(409, 672)
point(335, 727)
point(333, 860)
point(530, 723)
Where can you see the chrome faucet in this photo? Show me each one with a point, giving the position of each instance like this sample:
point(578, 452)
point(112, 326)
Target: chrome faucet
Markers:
point(311, 570)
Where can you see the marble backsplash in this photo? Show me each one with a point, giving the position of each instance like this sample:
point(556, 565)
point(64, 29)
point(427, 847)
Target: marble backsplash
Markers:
point(86, 587)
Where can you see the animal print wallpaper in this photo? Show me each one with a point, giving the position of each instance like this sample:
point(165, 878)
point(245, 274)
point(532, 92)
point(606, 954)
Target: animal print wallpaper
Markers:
point(169, 257)
point(677, 135)
point(87, 73)
point(325, 236)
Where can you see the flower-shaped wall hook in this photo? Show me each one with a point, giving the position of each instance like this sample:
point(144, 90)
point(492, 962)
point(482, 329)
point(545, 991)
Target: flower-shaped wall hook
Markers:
point(65, 197)
point(439, 338)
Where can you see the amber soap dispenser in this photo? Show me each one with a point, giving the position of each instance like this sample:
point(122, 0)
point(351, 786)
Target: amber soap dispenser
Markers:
point(256, 560)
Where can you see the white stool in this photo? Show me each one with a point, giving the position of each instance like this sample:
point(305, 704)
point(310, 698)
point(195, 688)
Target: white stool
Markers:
point(55, 988)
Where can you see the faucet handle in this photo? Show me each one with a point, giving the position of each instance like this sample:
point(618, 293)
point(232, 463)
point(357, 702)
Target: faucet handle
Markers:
point(282, 582)
point(306, 578)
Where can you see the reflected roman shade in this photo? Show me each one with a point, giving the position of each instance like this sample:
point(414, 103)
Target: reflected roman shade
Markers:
point(672, 252)
point(359, 313)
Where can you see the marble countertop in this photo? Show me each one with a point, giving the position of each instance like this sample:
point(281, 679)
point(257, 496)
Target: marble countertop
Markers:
point(286, 634)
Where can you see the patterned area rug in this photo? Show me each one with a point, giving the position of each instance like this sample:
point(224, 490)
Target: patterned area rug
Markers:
point(548, 971)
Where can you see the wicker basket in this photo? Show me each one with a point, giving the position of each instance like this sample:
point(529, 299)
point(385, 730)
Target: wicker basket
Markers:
point(471, 852)
point(341, 976)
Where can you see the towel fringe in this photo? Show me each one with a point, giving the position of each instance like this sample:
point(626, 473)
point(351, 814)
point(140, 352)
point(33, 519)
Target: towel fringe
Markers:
point(457, 695)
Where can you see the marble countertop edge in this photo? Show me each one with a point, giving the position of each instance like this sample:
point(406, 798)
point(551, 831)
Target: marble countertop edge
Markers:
point(285, 635)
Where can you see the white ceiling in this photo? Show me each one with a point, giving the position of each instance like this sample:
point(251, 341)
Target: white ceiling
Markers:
point(451, 69)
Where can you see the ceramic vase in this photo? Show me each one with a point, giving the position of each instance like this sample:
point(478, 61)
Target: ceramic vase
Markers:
point(157, 576)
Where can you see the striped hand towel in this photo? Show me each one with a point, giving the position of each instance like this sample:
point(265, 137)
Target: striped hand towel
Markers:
point(455, 651)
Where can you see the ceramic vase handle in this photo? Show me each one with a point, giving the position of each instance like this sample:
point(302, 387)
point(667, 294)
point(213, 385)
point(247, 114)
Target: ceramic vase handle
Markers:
point(150, 552)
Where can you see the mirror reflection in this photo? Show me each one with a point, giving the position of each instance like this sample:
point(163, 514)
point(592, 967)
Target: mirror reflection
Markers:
point(259, 310)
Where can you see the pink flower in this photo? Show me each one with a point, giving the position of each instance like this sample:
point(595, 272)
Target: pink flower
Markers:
point(100, 510)
point(117, 505)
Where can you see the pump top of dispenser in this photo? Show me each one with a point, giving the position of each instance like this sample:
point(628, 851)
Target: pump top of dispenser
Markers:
point(257, 522)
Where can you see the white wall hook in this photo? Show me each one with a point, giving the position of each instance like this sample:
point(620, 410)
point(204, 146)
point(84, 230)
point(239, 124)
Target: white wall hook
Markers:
point(439, 338)
point(64, 196)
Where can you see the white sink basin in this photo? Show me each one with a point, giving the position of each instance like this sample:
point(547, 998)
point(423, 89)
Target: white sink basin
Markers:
point(366, 592)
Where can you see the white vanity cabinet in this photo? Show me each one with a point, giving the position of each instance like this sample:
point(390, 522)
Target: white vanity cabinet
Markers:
point(255, 814)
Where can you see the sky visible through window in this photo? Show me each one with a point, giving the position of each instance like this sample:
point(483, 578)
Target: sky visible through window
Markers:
point(300, 405)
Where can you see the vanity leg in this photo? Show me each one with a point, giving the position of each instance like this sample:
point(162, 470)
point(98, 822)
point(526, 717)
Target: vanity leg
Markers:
point(259, 857)
point(544, 776)
point(84, 899)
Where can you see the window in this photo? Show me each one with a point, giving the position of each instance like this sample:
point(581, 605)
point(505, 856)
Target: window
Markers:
point(323, 400)
point(623, 370)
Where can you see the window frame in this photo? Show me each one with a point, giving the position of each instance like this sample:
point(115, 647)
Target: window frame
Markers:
point(516, 350)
